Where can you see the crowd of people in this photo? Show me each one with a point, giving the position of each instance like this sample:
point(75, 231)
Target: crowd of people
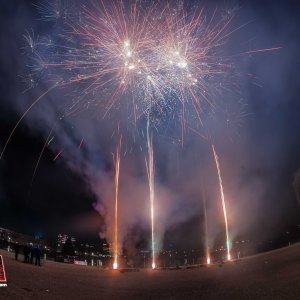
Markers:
point(32, 253)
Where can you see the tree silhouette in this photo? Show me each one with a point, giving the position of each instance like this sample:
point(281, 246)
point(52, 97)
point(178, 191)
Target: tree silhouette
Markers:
point(68, 248)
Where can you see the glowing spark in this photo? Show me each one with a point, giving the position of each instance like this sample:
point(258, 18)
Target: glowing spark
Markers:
point(117, 173)
point(223, 202)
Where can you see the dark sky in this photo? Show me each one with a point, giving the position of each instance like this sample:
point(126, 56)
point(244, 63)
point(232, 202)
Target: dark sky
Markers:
point(258, 163)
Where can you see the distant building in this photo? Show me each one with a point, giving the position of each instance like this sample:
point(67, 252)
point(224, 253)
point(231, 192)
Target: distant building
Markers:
point(61, 240)
point(73, 240)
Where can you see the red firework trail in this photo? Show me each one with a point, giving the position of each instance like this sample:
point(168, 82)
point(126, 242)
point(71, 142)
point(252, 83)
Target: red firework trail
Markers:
point(81, 143)
point(58, 155)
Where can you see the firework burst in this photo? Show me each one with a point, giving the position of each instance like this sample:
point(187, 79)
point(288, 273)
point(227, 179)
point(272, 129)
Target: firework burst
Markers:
point(154, 55)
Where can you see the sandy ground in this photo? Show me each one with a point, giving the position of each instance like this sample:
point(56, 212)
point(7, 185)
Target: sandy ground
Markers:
point(273, 275)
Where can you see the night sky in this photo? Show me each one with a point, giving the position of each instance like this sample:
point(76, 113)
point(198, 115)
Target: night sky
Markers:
point(259, 152)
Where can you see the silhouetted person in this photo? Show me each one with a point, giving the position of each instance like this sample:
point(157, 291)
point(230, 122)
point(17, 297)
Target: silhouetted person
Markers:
point(37, 254)
point(31, 254)
point(17, 250)
point(26, 251)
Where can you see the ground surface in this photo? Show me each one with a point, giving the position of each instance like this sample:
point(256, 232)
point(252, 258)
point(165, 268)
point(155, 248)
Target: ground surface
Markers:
point(273, 275)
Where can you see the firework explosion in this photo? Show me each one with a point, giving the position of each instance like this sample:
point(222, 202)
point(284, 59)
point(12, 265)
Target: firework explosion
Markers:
point(152, 54)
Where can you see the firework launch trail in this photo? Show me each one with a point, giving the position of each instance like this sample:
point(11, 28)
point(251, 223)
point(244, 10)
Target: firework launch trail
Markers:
point(151, 173)
point(223, 201)
point(117, 161)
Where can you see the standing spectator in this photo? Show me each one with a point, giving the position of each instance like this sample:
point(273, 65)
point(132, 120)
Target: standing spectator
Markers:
point(37, 254)
point(26, 251)
point(31, 253)
point(17, 250)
